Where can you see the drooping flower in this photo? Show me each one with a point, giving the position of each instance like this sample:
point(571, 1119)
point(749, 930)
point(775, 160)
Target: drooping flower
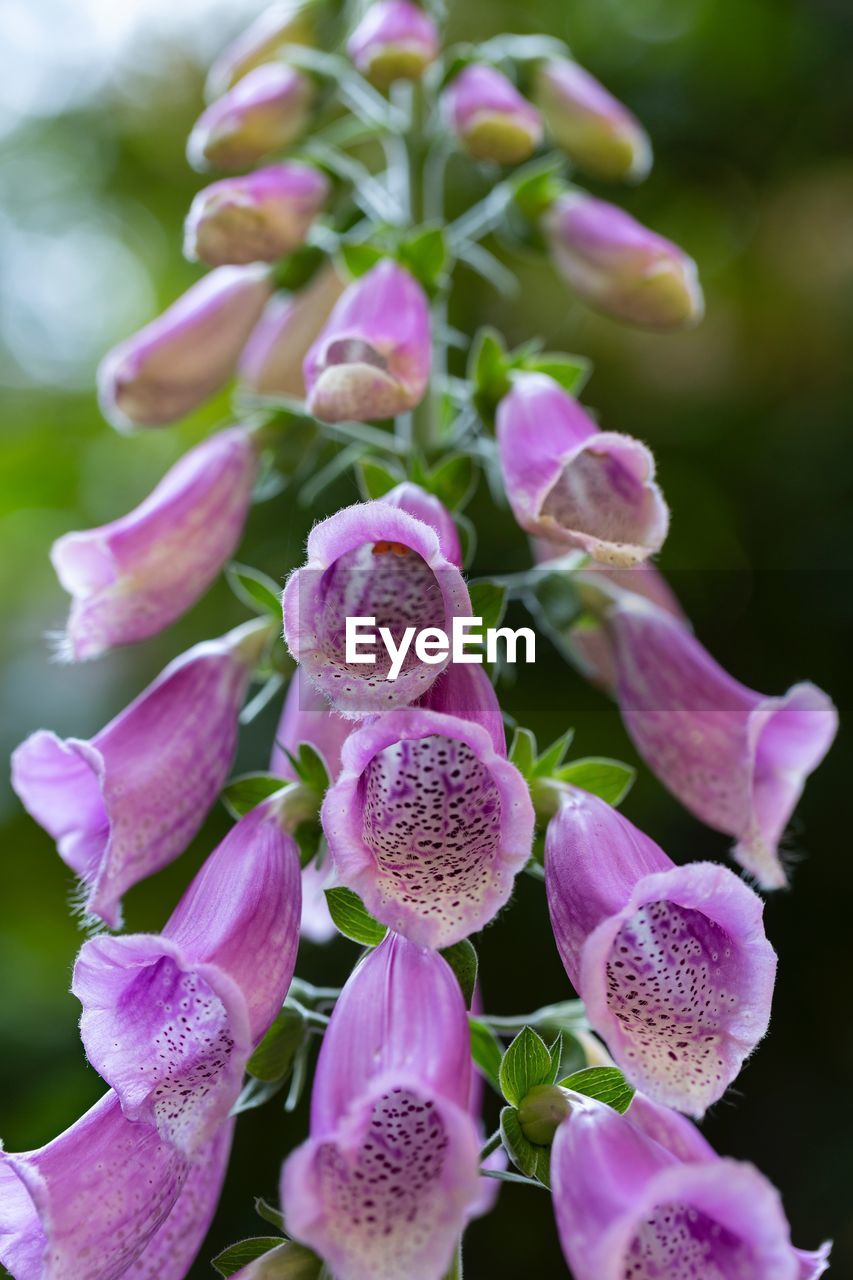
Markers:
point(271, 361)
point(267, 110)
point(133, 577)
point(596, 130)
point(257, 217)
point(108, 1198)
point(672, 963)
point(490, 118)
point(370, 560)
point(395, 40)
point(281, 24)
point(372, 358)
point(643, 1195)
point(169, 1020)
point(735, 758)
point(431, 510)
point(129, 801)
point(428, 823)
point(574, 484)
point(621, 267)
point(388, 1178)
point(175, 363)
point(465, 690)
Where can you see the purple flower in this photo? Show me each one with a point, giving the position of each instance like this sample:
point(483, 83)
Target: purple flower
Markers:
point(490, 118)
point(284, 23)
point(372, 358)
point(389, 1175)
point(431, 510)
point(127, 802)
point(428, 823)
point(175, 363)
point(643, 1195)
point(108, 1198)
point(370, 560)
point(736, 759)
point(271, 361)
point(267, 110)
point(573, 484)
point(672, 963)
point(598, 132)
point(395, 40)
point(465, 690)
point(133, 577)
point(169, 1020)
point(621, 267)
point(257, 217)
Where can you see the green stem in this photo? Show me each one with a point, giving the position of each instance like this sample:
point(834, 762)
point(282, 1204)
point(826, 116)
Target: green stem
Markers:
point(492, 1145)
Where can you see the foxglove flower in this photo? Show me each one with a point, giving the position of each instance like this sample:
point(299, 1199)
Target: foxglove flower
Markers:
point(129, 801)
point(257, 217)
point(431, 510)
point(175, 363)
point(389, 1175)
point(395, 40)
point(672, 963)
point(271, 361)
point(490, 118)
point(370, 560)
point(288, 22)
point(573, 484)
point(267, 110)
point(621, 267)
point(108, 1198)
point(133, 577)
point(735, 758)
point(372, 358)
point(643, 1195)
point(169, 1020)
point(598, 132)
point(428, 823)
point(465, 690)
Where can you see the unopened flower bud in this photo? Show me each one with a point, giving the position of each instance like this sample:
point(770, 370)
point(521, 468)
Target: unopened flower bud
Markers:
point(255, 218)
point(266, 111)
point(490, 117)
point(396, 40)
point(271, 361)
point(291, 22)
point(595, 129)
point(621, 267)
point(542, 1112)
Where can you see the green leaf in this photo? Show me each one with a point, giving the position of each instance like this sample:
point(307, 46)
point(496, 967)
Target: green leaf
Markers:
point(308, 835)
point(607, 1084)
point(425, 254)
point(266, 1211)
point(283, 1260)
point(610, 780)
point(486, 1051)
point(453, 481)
point(360, 258)
point(571, 372)
point(254, 1094)
point(556, 1052)
point(462, 958)
point(536, 187)
point(488, 370)
point(310, 767)
point(532, 1160)
point(232, 1259)
point(257, 591)
point(522, 752)
point(375, 478)
point(527, 1062)
point(488, 601)
point(246, 792)
point(552, 757)
point(273, 1059)
point(503, 1175)
point(352, 919)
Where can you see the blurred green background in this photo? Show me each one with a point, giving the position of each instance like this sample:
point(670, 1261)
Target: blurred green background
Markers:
point(749, 105)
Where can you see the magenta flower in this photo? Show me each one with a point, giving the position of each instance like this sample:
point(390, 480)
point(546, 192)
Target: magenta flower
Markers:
point(432, 511)
point(175, 363)
point(257, 217)
point(271, 361)
point(286, 22)
point(267, 110)
point(133, 577)
point(643, 1194)
point(108, 1198)
point(372, 358)
point(129, 801)
point(169, 1020)
point(388, 1178)
point(370, 560)
point(428, 823)
point(735, 758)
point(465, 690)
point(596, 130)
point(490, 118)
point(672, 963)
point(621, 267)
point(573, 484)
point(395, 40)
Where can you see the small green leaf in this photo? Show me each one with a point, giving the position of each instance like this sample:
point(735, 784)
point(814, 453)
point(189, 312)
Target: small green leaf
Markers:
point(552, 757)
point(310, 767)
point(360, 258)
point(610, 780)
point(257, 591)
point(522, 752)
point(570, 372)
point(273, 1059)
point(246, 792)
point(531, 1160)
point(266, 1211)
point(254, 1094)
point(606, 1084)
point(308, 835)
point(237, 1256)
point(375, 478)
point(352, 919)
point(462, 958)
point(424, 254)
point(295, 271)
point(488, 601)
point(556, 1052)
point(527, 1062)
point(486, 1051)
point(453, 481)
point(536, 187)
point(488, 370)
